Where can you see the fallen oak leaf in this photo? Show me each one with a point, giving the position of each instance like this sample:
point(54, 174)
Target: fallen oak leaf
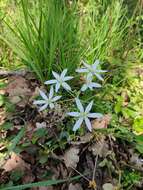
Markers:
point(71, 157)
point(102, 122)
point(17, 86)
point(18, 90)
point(15, 162)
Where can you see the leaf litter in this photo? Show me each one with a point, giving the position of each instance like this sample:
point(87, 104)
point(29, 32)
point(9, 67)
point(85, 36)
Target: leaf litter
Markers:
point(80, 155)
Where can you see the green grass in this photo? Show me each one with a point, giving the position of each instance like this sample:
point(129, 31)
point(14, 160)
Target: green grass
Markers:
point(105, 28)
point(54, 36)
point(45, 37)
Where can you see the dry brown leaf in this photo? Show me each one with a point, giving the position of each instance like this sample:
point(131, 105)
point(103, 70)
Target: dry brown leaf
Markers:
point(15, 99)
point(2, 116)
point(100, 148)
point(71, 157)
point(2, 91)
point(40, 125)
point(28, 178)
point(101, 123)
point(15, 162)
point(76, 186)
point(18, 88)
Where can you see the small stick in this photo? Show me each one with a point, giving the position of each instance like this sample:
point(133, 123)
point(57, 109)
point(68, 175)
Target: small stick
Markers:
point(9, 73)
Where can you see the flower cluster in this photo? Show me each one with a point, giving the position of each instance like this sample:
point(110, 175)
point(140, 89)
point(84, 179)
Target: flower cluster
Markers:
point(90, 72)
point(60, 81)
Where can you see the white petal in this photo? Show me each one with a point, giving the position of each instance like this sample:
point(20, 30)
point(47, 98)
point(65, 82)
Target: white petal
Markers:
point(96, 63)
point(74, 114)
point(43, 95)
point(38, 102)
point(99, 76)
point(57, 86)
point(82, 70)
point(43, 107)
point(89, 75)
point(78, 124)
point(90, 87)
point(63, 73)
point(95, 115)
point(56, 75)
point(51, 92)
point(88, 108)
point(66, 86)
point(84, 87)
point(68, 78)
point(56, 98)
point(86, 65)
point(95, 85)
point(79, 105)
point(51, 105)
point(102, 71)
point(50, 82)
point(88, 124)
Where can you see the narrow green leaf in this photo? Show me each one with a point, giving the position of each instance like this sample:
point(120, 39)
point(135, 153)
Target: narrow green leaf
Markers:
point(39, 184)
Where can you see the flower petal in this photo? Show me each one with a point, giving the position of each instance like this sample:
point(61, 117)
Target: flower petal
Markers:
point(51, 105)
point(88, 124)
point(84, 87)
point(95, 115)
point(63, 73)
point(50, 82)
point(51, 93)
point(78, 124)
point(68, 78)
point(66, 86)
point(56, 75)
point(90, 87)
point(88, 108)
point(95, 85)
point(43, 95)
point(82, 70)
point(89, 75)
point(79, 105)
point(102, 71)
point(38, 102)
point(56, 98)
point(86, 65)
point(99, 76)
point(43, 107)
point(57, 86)
point(96, 63)
point(74, 114)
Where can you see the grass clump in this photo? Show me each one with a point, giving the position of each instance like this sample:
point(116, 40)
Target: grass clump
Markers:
point(45, 36)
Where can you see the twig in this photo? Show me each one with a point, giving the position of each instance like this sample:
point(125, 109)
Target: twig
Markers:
point(10, 73)
point(96, 159)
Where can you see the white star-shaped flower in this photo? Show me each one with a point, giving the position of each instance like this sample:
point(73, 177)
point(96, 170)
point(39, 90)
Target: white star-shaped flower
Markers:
point(47, 100)
point(92, 70)
point(84, 115)
point(89, 84)
point(60, 80)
